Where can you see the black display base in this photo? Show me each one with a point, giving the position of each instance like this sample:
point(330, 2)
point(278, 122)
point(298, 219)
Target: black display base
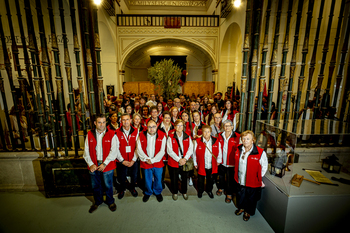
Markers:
point(65, 177)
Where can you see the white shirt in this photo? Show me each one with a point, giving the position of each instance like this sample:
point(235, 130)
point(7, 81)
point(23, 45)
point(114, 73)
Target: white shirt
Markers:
point(173, 155)
point(119, 155)
point(151, 145)
point(243, 165)
point(151, 103)
point(215, 130)
point(99, 150)
point(224, 151)
point(166, 130)
point(207, 156)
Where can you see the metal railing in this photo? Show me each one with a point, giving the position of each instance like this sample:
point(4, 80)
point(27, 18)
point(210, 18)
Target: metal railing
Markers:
point(172, 21)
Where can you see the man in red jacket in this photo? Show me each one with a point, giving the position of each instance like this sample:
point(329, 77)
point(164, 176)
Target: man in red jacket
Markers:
point(127, 136)
point(151, 149)
point(100, 153)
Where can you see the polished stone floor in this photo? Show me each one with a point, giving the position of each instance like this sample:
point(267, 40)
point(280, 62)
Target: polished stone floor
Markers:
point(32, 212)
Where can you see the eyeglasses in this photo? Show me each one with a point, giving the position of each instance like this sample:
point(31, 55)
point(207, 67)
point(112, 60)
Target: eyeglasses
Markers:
point(152, 127)
point(228, 126)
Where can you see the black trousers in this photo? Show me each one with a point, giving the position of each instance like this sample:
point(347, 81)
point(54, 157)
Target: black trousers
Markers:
point(123, 171)
point(164, 170)
point(174, 178)
point(247, 198)
point(226, 179)
point(209, 181)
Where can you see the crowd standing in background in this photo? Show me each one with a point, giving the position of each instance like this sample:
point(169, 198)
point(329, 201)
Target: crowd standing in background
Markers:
point(194, 138)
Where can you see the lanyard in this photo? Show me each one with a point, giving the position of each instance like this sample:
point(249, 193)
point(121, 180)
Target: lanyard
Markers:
point(126, 138)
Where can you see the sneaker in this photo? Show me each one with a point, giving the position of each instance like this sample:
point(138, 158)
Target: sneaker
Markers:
point(145, 198)
point(174, 197)
point(159, 198)
point(112, 207)
point(134, 193)
point(121, 194)
point(185, 196)
point(190, 182)
point(93, 208)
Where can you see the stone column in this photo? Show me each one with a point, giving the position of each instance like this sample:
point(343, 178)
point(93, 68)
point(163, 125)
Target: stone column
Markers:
point(121, 81)
point(215, 78)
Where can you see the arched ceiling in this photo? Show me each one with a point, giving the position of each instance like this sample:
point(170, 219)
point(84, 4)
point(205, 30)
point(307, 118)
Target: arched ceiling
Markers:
point(168, 47)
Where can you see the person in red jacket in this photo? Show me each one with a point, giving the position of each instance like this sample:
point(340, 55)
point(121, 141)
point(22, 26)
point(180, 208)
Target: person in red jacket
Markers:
point(207, 156)
point(229, 141)
point(100, 153)
point(180, 149)
point(151, 149)
point(127, 136)
point(250, 166)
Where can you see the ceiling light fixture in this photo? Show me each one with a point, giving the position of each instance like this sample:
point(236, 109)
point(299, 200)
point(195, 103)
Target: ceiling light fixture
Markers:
point(97, 2)
point(237, 3)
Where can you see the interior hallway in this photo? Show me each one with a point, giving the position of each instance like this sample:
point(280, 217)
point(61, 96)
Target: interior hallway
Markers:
point(32, 212)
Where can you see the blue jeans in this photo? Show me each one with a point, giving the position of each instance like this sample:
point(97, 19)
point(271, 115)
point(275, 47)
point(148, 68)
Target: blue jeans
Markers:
point(156, 186)
point(99, 180)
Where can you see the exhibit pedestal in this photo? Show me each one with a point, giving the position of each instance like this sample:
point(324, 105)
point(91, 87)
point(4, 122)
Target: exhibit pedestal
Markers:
point(308, 208)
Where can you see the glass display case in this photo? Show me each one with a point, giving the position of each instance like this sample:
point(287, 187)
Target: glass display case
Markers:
point(295, 146)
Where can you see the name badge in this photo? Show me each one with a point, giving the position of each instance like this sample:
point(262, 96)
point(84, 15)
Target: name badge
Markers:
point(128, 149)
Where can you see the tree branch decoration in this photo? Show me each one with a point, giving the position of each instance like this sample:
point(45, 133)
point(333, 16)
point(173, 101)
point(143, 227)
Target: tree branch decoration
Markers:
point(165, 76)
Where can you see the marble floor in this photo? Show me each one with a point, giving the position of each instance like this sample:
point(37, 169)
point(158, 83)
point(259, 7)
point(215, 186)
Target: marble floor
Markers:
point(32, 212)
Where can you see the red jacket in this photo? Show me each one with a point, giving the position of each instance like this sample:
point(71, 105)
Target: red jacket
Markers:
point(106, 147)
point(231, 116)
point(159, 121)
point(143, 140)
point(124, 143)
point(253, 173)
point(233, 143)
point(188, 128)
point(200, 153)
point(175, 146)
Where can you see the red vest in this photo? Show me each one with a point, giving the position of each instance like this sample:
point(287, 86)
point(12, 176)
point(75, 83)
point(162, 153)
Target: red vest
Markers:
point(186, 145)
point(253, 173)
point(143, 140)
point(233, 143)
point(124, 143)
point(159, 121)
point(106, 148)
point(188, 128)
point(200, 153)
point(165, 157)
point(231, 116)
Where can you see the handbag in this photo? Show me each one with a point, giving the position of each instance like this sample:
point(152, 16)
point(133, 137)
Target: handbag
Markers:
point(189, 165)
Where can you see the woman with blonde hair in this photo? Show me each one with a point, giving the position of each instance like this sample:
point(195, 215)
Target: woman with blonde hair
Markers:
point(250, 166)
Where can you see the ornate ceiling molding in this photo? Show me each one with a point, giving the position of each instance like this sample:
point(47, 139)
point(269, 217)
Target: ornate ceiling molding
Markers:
point(189, 3)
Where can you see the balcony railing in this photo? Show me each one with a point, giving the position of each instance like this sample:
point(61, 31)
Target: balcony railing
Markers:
point(168, 21)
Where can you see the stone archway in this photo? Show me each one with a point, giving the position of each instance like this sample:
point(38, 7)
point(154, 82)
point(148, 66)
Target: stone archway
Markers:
point(231, 57)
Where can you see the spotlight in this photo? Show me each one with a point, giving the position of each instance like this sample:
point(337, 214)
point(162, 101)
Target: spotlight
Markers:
point(237, 3)
point(97, 2)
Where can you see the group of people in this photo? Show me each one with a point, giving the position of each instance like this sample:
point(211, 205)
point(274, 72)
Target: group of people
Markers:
point(181, 138)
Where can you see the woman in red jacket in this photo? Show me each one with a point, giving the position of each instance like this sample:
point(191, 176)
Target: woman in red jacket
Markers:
point(207, 156)
point(250, 166)
point(180, 149)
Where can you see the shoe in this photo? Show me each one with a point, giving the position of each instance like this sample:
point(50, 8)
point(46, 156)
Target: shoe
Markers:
point(112, 207)
point(210, 194)
point(199, 195)
point(190, 182)
point(228, 199)
point(121, 194)
point(93, 208)
point(246, 216)
point(239, 212)
point(159, 198)
point(174, 197)
point(219, 192)
point(185, 196)
point(145, 198)
point(134, 193)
